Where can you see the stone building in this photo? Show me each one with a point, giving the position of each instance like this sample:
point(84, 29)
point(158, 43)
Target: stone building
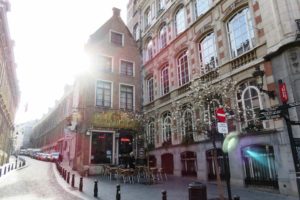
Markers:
point(200, 55)
point(9, 90)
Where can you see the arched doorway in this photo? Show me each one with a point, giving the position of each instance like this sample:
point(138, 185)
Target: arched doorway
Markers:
point(211, 168)
point(167, 163)
point(189, 163)
point(259, 165)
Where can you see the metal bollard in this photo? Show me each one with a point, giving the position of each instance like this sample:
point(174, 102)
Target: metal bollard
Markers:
point(12, 166)
point(80, 184)
point(20, 164)
point(118, 193)
point(4, 170)
point(73, 180)
point(96, 189)
point(16, 165)
point(236, 197)
point(197, 191)
point(164, 195)
point(68, 177)
point(8, 168)
point(0, 172)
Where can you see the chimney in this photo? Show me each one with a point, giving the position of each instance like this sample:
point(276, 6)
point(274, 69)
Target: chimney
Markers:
point(116, 11)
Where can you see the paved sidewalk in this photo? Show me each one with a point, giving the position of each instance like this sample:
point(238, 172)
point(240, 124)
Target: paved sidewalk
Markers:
point(176, 187)
point(10, 166)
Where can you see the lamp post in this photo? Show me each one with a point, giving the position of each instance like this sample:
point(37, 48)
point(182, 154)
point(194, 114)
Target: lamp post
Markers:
point(258, 73)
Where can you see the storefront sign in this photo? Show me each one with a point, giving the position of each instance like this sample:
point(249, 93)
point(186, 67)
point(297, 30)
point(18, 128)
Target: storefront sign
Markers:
point(114, 119)
point(283, 92)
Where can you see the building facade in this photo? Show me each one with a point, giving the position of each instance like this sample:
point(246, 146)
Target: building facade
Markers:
point(201, 55)
point(103, 122)
point(9, 91)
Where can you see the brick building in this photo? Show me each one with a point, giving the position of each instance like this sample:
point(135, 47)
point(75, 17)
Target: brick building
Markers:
point(199, 55)
point(9, 90)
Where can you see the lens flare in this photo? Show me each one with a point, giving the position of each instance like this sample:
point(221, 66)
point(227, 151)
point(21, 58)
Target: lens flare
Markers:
point(230, 142)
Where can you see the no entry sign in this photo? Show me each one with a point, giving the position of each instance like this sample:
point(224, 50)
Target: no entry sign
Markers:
point(220, 114)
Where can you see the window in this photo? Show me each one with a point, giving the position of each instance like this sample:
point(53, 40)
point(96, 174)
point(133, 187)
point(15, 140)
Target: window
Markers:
point(241, 34)
point(183, 69)
point(103, 63)
point(167, 123)
point(201, 6)
point(208, 53)
point(150, 89)
point(126, 97)
point(179, 21)
point(103, 94)
point(147, 16)
point(102, 148)
point(116, 38)
point(161, 5)
point(163, 37)
point(150, 132)
point(187, 123)
point(249, 103)
point(136, 32)
point(164, 75)
point(126, 68)
point(149, 50)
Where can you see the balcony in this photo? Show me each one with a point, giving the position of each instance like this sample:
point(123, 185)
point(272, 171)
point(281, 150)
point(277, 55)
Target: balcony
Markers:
point(165, 98)
point(183, 89)
point(243, 59)
point(209, 76)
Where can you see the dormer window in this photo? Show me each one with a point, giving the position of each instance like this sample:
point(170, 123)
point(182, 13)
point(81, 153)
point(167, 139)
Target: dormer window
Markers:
point(116, 38)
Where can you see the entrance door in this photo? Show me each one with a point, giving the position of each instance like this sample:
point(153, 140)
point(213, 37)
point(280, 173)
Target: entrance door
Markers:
point(189, 163)
point(102, 145)
point(259, 166)
point(211, 167)
point(167, 163)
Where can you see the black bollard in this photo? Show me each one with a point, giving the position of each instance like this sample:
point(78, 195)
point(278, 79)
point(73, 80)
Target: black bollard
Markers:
point(68, 177)
point(164, 195)
point(20, 164)
point(118, 193)
point(96, 189)
point(4, 170)
point(80, 184)
point(0, 172)
point(8, 168)
point(73, 180)
point(16, 165)
point(12, 166)
point(236, 198)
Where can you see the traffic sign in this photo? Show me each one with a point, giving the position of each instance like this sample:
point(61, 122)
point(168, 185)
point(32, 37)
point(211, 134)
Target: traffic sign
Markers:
point(220, 115)
point(222, 128)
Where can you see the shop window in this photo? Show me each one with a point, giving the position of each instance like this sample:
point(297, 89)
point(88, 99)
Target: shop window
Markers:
point(101, 150)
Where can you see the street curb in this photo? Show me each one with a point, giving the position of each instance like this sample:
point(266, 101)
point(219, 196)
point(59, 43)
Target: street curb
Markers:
point(66, 186)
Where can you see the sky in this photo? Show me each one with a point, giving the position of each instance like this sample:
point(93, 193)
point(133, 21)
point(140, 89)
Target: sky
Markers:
point(49, 38)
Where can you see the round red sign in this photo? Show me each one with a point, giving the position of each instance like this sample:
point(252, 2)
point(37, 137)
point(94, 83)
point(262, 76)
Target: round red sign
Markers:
point(220, 114)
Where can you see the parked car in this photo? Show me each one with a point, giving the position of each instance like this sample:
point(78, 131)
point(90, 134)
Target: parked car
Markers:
point(55, 156)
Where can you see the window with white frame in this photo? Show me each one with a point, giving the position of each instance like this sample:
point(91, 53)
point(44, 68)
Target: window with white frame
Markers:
point(150, 132)
point(149, 50)
point(116, 38)
point(180, 21)
point(249, 104)
point(163, 37)
point(126, 68)
point(241, 34)
point(103, 93)
point(183, 69)
point(208, 53)
point(164, 80)
point(148, 17)
point(201, 6)
point(126, 97)
point(150, 90)
point(136, 32)
point(103, 63)
point(187, 123)
point(167, 127)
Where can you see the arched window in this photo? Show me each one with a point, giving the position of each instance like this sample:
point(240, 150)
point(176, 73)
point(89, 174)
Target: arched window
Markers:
point(249, 103)
point(210, 109)
point(164, 80)
point(183, 69)
point(187, 123)
point(147, 17)
point(149, 50)
point(166, 127)
point(163, 37)
point(208, 53)
point(201, 6)
point(180, 21)
point(150, 132)
point(136, 32)
point(241, 34)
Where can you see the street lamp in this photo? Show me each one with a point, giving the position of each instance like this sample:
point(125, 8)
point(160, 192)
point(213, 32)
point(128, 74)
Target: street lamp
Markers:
point(259, 73)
